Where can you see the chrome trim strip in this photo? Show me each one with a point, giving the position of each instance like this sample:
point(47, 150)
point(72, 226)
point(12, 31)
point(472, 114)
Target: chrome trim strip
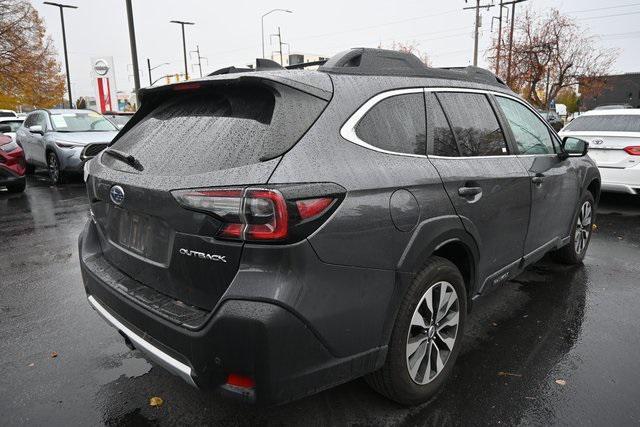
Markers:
point(348, 130)
point(163, 359)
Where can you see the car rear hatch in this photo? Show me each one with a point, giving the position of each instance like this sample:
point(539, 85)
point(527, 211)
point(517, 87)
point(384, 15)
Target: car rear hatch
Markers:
point(221, 132)
point(614, 139)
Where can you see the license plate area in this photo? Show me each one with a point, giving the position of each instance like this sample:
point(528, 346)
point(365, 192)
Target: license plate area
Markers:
point(141, 234)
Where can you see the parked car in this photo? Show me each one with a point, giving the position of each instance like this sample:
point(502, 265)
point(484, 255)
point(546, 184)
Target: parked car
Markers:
point(63, 140)
point(553, 118)
point(14, 123)
point(12, 166)
point(613, 107)
point(118, 118)
point(8, 113)
point(614, 144)
point(271, 234)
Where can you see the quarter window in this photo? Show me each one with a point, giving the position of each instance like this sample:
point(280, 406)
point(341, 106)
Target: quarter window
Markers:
point(396, 124)
point(531, 134)
point(474, 124)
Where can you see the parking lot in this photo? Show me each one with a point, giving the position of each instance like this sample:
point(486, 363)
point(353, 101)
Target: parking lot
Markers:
point(556, 345)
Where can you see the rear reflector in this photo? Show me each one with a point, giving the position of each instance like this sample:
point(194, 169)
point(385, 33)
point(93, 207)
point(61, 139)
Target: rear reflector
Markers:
point(633, 150)
point(240, 381)
point(311, 208)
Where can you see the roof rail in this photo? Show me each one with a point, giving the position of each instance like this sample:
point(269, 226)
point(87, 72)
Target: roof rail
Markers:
point(368, 61)
point(305, 64)
point(262, 64)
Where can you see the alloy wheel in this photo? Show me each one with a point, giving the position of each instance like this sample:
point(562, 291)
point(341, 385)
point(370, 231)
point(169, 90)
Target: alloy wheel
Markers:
point(583, 227)
point(432, 333)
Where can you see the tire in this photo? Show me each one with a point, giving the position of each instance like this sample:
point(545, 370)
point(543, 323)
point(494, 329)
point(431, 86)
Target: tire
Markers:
point(574, 252)
point(17, 188)
point(53, 167)
point(395, 380)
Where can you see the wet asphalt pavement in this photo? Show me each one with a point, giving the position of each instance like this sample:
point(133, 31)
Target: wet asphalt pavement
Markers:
point(553, 324)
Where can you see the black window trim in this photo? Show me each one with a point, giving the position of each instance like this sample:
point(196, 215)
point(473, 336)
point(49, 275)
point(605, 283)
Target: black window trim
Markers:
point(348, 132)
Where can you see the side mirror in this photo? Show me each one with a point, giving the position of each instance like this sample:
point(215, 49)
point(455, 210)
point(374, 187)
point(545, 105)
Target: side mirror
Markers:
point(574, 147)
point(36, 129)
point(5, 128)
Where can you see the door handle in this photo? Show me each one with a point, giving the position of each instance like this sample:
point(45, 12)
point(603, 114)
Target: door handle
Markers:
point(469, 192)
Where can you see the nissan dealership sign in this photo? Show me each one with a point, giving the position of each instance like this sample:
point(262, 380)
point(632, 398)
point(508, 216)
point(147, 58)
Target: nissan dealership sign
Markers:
point(101, 67)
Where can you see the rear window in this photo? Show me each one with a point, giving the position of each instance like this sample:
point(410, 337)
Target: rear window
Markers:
point(218, 128)
point(608, 123)
point(14, 124)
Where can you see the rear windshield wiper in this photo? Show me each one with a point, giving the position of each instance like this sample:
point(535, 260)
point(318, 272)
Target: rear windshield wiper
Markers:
point(127, 158)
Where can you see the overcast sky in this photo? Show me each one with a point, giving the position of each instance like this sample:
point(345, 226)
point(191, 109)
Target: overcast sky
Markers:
point(228, 32)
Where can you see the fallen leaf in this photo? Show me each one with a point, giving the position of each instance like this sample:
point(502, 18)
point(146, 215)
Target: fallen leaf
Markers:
point(594, 227)
point(561, 382)
point(508, 374)
point(156, 401)
point(54, 354)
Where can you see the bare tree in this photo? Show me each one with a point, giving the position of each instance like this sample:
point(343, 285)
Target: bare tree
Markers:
point(550, 52)
point(29, 70)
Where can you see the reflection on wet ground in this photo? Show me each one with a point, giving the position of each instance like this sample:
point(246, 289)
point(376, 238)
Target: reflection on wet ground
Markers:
point(556, 345)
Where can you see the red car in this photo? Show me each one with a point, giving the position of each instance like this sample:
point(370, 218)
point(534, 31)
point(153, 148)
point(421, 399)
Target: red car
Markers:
point(12, 165)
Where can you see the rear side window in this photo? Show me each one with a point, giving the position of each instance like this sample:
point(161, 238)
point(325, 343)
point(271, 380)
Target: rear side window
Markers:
point(531, 134)
point(605, 123)
point(439, 135)
point(474, 124)
point(396, 124)
point(218, 128)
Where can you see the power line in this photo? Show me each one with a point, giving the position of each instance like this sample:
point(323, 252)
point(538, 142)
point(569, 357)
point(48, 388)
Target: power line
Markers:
point(603, 8)
point(608, 16)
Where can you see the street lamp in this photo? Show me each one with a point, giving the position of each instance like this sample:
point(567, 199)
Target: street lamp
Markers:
point(184, 46)
point(153, 68)
point(64, 43)
point(262, 23)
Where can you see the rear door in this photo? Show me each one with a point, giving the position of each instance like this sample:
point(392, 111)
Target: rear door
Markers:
point(554, 182)
point(486, 183)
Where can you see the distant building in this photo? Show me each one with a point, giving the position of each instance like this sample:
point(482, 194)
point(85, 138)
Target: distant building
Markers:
point(297, 58)
point(614, 89)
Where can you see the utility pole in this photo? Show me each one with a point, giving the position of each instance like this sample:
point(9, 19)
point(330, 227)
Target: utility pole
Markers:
point(200, 58)
point(64, 43)
point(499, 39)
point(184, 46)
point(477, 28)
point(279, 35)
point(134, 49)
point(513, 19)
point(262, 23)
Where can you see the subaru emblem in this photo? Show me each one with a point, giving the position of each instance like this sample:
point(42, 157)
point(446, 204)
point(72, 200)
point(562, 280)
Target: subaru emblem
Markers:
point(117, 194)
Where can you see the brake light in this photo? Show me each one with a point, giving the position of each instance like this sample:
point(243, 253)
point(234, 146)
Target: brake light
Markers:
point(187, 86)
point(255, 214)
point(633, 150)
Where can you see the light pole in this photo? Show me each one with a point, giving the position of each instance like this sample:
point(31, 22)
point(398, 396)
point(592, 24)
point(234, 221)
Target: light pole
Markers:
point(64, 43)
point(262, 23)
point(184, 46)
point(150, 68)
point(134, 49)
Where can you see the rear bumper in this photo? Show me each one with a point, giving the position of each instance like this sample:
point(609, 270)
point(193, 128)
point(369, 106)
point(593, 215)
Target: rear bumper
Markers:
point(621, 180)
point(257, 338)
point(9, 176)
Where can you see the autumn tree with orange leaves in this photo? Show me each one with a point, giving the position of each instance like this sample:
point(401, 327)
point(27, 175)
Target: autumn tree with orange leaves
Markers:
point(551, 52)
point(30, 74)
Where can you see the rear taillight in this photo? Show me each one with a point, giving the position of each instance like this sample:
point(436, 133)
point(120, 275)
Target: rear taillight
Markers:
point(257, 214)
point(633, 150)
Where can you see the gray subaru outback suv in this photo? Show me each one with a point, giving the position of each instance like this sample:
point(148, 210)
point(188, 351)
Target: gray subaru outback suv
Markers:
point(271, 234)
